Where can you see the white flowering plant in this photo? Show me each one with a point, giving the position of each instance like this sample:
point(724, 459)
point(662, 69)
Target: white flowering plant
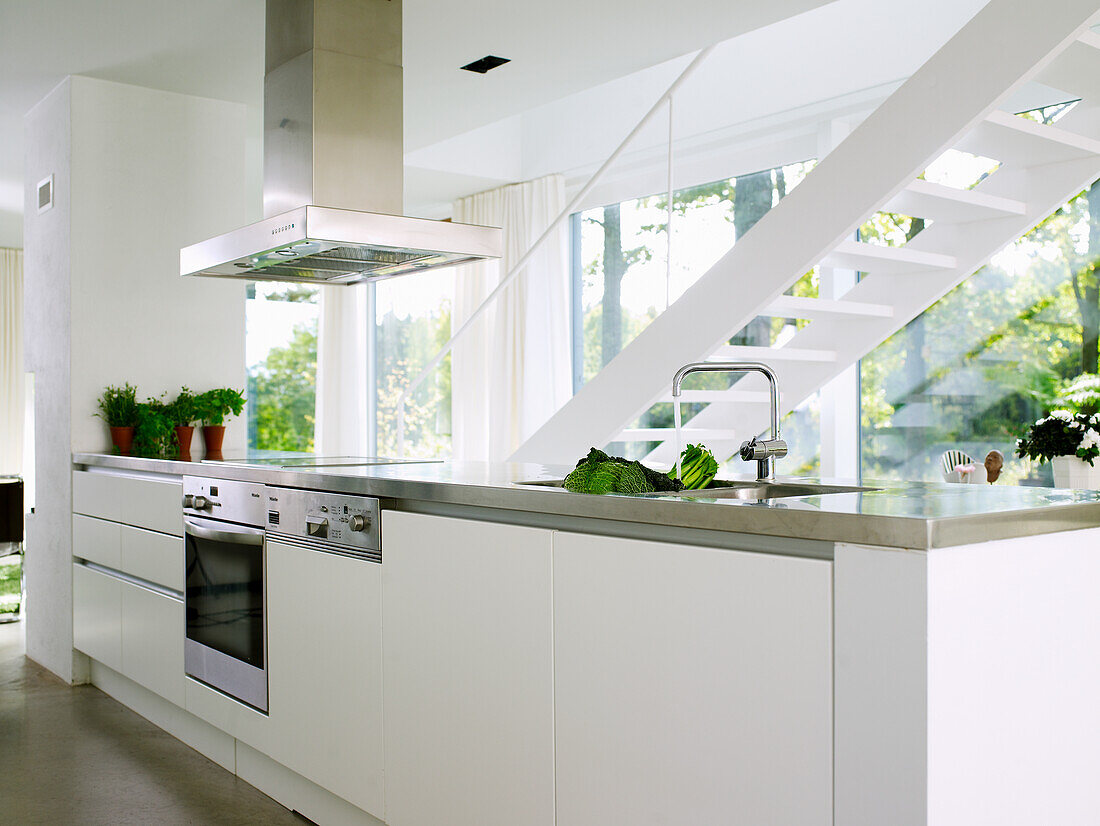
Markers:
point(1062, 433)
point(1080, 395)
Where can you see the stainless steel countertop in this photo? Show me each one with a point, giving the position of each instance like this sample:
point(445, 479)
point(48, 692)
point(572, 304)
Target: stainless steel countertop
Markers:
point(913, 515)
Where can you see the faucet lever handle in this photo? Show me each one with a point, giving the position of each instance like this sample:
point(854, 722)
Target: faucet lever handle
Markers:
point(757, 450)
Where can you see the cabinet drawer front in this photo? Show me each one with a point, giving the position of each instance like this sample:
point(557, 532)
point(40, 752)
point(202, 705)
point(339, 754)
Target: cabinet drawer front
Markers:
point(152, 641)
point(147, 503)
point(97, 618)
point(156, 557)
point(97, 540)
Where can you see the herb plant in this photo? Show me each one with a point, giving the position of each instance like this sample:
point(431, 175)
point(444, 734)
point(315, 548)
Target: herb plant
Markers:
point(155, 435)
point(182, 411)
point(1062, 434)
point(214, 405)
point(118, 406)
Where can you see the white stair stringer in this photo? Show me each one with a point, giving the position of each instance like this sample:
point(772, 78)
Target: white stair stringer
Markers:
point(1049, 186)
point(996, 52)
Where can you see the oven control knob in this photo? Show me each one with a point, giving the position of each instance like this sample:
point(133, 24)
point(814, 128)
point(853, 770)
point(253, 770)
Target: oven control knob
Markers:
point(357, 523)
point(200, 503)
point(188, 500)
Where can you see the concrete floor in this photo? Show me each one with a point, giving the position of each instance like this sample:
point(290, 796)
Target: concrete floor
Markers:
point(74, 755)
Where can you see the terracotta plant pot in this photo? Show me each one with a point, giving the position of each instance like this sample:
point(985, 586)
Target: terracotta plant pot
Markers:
point(123, 439)
point(213, 435)
point(183, 439)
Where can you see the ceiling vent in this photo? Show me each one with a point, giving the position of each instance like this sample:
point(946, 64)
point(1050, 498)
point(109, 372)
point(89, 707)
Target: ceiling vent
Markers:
point(486, 63)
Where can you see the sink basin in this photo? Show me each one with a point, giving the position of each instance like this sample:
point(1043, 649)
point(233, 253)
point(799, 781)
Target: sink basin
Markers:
point(766, 490)
point(749, 490)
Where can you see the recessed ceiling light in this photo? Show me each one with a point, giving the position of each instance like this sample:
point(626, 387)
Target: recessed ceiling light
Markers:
point(486, 63)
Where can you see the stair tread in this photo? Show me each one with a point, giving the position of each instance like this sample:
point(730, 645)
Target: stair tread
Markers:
point(1076, 71)
point(656, 434)
point(936, 202)
point(746, 351)
point(872, 258)
point(1019, 141)
point(806, 307)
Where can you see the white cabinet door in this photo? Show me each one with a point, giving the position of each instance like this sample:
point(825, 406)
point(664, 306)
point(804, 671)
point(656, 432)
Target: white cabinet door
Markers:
point(97, 540)
point(148, 503)
point(152, 641)
point(692, 685)
point(97, 616)
point(468, 672)
point(156, 557)
point(325, 671)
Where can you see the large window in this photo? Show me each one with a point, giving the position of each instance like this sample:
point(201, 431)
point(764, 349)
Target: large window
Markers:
point(281, 354)
point(990, 357)
point(622, 283)
point(413, 321)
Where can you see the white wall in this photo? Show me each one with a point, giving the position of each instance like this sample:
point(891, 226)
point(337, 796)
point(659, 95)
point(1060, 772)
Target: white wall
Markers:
point(138, 173)
point(46, 350)
point(152, 171)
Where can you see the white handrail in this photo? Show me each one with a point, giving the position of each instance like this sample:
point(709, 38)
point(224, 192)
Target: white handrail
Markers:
point(519, 265)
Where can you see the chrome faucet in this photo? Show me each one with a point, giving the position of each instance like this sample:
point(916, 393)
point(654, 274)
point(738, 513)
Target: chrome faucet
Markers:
point(763, 451)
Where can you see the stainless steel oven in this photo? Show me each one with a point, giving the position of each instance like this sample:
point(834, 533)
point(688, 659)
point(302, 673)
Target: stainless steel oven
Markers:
point(225, 596)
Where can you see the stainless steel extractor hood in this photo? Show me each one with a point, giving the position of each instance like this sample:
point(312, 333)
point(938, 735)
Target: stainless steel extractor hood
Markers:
point(333, 159)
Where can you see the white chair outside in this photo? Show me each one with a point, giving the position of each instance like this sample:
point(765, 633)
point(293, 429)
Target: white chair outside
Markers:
point(951, 459)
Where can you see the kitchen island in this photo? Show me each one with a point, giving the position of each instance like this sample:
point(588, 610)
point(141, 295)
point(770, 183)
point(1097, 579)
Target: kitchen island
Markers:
point(911, 654)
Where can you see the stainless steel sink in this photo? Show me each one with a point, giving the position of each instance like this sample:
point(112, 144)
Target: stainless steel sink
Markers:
point(766, 490)
point(752, 490)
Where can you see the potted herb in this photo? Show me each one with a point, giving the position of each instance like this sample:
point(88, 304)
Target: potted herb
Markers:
point(181, 413)
point(118, 407)
point(212, 407)
point(1070, 442)
point(154, 436)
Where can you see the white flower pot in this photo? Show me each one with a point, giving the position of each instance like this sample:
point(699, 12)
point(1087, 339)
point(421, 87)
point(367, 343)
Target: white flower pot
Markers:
point(1071, 472)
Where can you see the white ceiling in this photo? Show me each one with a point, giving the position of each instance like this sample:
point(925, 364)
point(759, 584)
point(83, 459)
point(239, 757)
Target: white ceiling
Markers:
point(556, 48)
point(214, 48)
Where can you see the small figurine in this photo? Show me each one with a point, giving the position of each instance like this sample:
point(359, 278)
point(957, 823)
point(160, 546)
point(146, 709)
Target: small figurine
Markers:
point(994, 461)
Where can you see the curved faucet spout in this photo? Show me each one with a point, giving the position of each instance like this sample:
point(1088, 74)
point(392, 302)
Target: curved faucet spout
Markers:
point(764, 453)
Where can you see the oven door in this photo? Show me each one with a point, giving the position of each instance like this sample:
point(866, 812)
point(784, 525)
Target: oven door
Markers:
point(224, 598)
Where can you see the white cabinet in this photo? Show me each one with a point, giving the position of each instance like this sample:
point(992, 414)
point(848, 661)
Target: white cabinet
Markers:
point(97, 616)
point(325, 671)
point(97, 540)
point(149, 555)
point(468, 672)
point(131, 629)
point(692, 685)
point(154, 504)
point(152, 641)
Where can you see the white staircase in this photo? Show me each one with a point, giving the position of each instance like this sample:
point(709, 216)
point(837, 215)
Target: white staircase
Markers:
point(950, 102)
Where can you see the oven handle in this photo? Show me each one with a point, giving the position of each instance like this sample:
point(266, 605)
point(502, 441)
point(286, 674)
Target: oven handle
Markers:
point(233, 536)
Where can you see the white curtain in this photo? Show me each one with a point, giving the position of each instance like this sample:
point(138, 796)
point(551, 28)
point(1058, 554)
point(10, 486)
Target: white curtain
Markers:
point(511, 371)
point(12, 382)
point(340, 426)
